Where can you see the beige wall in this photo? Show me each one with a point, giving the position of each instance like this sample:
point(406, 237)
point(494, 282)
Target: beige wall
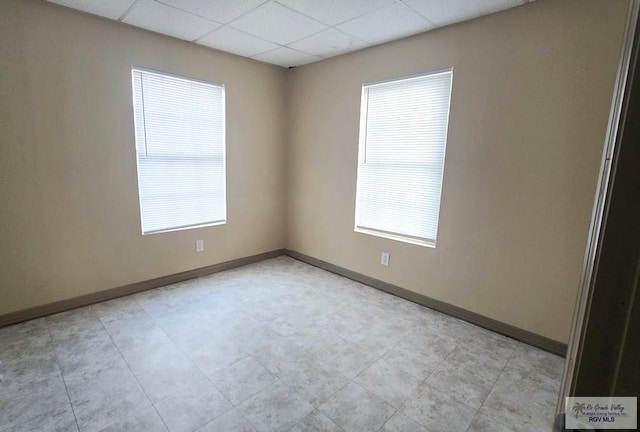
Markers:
point(69, 215)
point(531, 94)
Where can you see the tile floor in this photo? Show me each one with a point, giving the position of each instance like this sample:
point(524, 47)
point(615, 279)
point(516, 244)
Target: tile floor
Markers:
point(274, 346)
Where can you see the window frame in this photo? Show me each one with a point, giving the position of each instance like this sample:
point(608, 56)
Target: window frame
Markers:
point(362, 137)
point(223, 120)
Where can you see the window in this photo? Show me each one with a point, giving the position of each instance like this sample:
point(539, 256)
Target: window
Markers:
point(403, 133)
point(180, 145)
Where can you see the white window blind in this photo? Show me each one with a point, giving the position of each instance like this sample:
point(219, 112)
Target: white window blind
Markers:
point(403, 134)
point(180, 143)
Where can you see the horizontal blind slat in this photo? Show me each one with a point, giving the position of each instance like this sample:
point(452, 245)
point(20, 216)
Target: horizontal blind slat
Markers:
point(401, 157)
point(180, 146)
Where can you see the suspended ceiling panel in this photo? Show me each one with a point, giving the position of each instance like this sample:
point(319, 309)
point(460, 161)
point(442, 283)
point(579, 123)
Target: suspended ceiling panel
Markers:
point(289, 32)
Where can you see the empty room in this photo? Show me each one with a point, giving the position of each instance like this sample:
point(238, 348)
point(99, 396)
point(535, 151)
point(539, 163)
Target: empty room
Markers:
point(314, 215)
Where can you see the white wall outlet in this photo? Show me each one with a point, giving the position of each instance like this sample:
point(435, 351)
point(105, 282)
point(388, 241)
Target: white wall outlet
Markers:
point(199, 245)
point(384, 260)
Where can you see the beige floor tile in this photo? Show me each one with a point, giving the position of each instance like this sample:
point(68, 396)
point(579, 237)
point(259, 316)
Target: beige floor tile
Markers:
point(388, 382)
point(316, 422)
point(437, 411)
point(231, 421)
point(275, 409)
point(187, 411)
point(242, 380)
point(356, 409)
point(401, 423)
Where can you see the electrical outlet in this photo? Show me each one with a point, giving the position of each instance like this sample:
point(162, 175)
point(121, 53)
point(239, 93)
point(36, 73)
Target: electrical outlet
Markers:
point(199, 245)
point(384, 260)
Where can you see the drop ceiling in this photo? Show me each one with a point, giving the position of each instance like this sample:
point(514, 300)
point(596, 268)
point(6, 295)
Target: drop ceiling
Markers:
point(289, 32)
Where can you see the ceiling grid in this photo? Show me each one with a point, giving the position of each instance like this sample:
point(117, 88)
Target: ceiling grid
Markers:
point(290, 32)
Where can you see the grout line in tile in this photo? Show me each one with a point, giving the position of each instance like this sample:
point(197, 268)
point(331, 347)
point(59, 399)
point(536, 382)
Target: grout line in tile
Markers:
point(64, 381)
point(153, 404)
point(133, 374)
point(493, 387)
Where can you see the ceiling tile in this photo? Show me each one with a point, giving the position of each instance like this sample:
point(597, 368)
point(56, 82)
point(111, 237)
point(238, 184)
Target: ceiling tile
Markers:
point(276, 23)
point(328, 43)
point(234, 41)
point(290, 32)
point(391, 22)
point(286, 57)
point(335, 11)
point(110, 9)
point(222, 11)
point(453, 11)
point(164, 19)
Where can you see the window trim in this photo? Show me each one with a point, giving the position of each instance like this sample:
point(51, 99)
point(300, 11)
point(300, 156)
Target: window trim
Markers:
point(135, 68)
point(362, 136)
